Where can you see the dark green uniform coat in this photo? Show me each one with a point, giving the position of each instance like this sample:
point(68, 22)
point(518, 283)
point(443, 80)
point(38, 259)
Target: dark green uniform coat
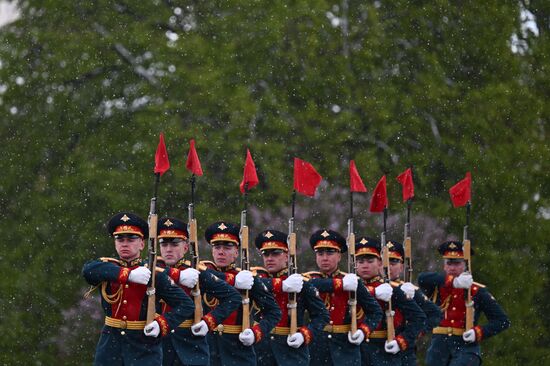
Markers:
point(451, 349)
point(127, 301)
point(273, 350)
point(181, 346)
point(333, 348)
point(225, 348)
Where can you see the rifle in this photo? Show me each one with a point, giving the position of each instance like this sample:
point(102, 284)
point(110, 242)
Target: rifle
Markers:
point(245, 265)
point(407, 244)
point(352, 268)
point(386, 264)
point(194, 247)
point(292, 269)
point(152, 253)
point(466, 248)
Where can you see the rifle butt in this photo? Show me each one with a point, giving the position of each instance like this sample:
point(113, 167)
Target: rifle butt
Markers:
point(246, 311)
point(197, 317)
point(469, 311)
point(151, 307)
point(353, 312)
point(389, 324)
point(292, 306)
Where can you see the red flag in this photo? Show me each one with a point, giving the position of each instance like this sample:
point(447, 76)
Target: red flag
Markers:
point(355, 181)
point(249, 175)
point(379, 199)
point(161, 157)
point(461, 192)
point(193, 163)
point(306, 178)
point(406, 180)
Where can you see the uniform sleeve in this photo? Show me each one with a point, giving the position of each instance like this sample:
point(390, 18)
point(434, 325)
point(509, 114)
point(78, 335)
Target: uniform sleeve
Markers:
point(318, 313)
point(496, 317)
point(371, 308)
point(182, 307)
point(429, 281)
point(97, 271)
point(269, 310)
point(432, 311)
point(415, 319)
point(329, 285)
point(228, 297)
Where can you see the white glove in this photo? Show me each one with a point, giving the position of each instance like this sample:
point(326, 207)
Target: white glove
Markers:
point(464, 280)
point(391, 347)
point(295, 340)
point(189, 277)
point(247, 337)
point(293, 283)
point(350, 282)
point(244, 280)
point(140, 275)
point(469, 336)
point(200, 329)
point(357, 337)
point(408, 289)
point(384, 292)
point(152, 329)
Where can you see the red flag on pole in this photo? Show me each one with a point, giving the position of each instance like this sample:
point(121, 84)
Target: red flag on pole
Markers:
point(406, 180)
point(379, 199)
point(306, 178)
point(161, 157)
point(249, 175)
point(461, 192)
point(355, 181)
point(193, 163)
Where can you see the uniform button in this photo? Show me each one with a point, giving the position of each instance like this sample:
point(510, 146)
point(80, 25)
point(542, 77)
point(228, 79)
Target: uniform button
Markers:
point(124, 317)
point(124, 302)
point(331, 308)
point(329, 336)
point(122, 333)
point(454, 296)
point(173, 331)
point(126, 286)
point(331, 322)
point(272, 338)
point(452, 321)
point(454, 308)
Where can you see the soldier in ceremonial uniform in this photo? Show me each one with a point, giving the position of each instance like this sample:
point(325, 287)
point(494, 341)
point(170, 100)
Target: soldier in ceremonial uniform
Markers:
point(451, 343)
point(282, 348)
point(125, 338)
point(432, 311)
point(408, 319)
point(337, 345)
point(229, 343)
point(187, 344)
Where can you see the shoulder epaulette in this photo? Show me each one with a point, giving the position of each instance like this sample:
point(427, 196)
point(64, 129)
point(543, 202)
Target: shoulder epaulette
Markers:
point(312, 274)
point(201, 266)
point(111, 260)
point(257, 270)
point(210, 264)
point(161, 262)
point(476, 286)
